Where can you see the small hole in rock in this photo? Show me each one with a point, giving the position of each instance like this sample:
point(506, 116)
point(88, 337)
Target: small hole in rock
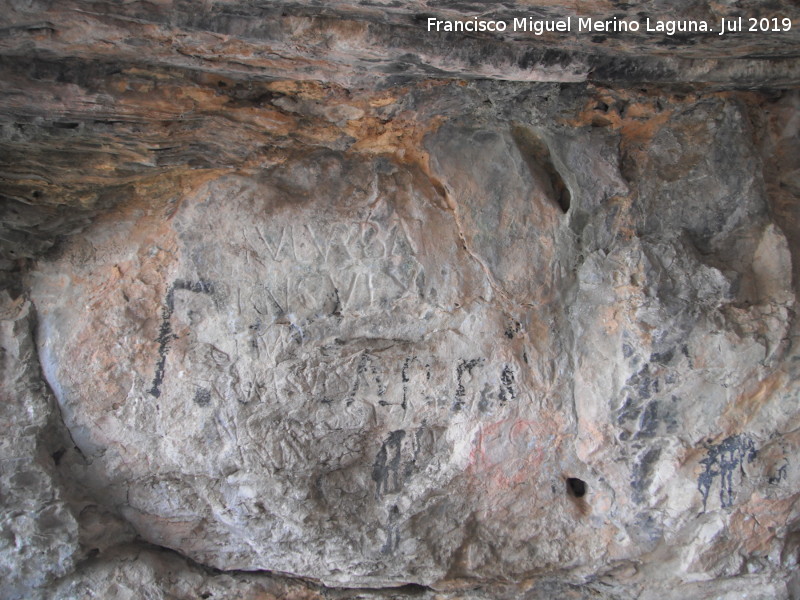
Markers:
point(57, 455)
point(576, 487)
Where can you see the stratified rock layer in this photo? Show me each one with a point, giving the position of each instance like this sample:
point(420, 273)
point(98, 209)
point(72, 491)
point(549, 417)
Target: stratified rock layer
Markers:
point(450, 338)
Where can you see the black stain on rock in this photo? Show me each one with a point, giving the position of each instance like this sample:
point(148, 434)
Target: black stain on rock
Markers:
point(202, 397)
point(392, 534)
point(507, 391)
point(461, 391)
point(663, 358)
point(644, 414)
point(369, 373)
point(513, 329)
point(406, 379)
point(165, 335)
point(780, 475)
point(648, 421)
point(386, 469)
point(642, 474)
point(361, 368)
point(722, 461)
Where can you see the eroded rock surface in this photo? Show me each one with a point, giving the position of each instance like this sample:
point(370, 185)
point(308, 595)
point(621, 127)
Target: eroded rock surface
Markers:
point(40, 534)
point(393, 337)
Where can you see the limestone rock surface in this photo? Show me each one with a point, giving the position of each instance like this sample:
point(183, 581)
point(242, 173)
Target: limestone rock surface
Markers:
point(300, 302)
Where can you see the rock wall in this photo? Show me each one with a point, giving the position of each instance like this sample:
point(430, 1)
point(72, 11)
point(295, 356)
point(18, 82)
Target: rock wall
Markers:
point(282, 319)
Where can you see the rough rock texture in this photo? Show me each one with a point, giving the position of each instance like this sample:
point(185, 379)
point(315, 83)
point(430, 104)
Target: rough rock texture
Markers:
point(305, 302)
point(39, 534)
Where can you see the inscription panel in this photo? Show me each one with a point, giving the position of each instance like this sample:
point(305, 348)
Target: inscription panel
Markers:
point(340, 351)
point(333, 268)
